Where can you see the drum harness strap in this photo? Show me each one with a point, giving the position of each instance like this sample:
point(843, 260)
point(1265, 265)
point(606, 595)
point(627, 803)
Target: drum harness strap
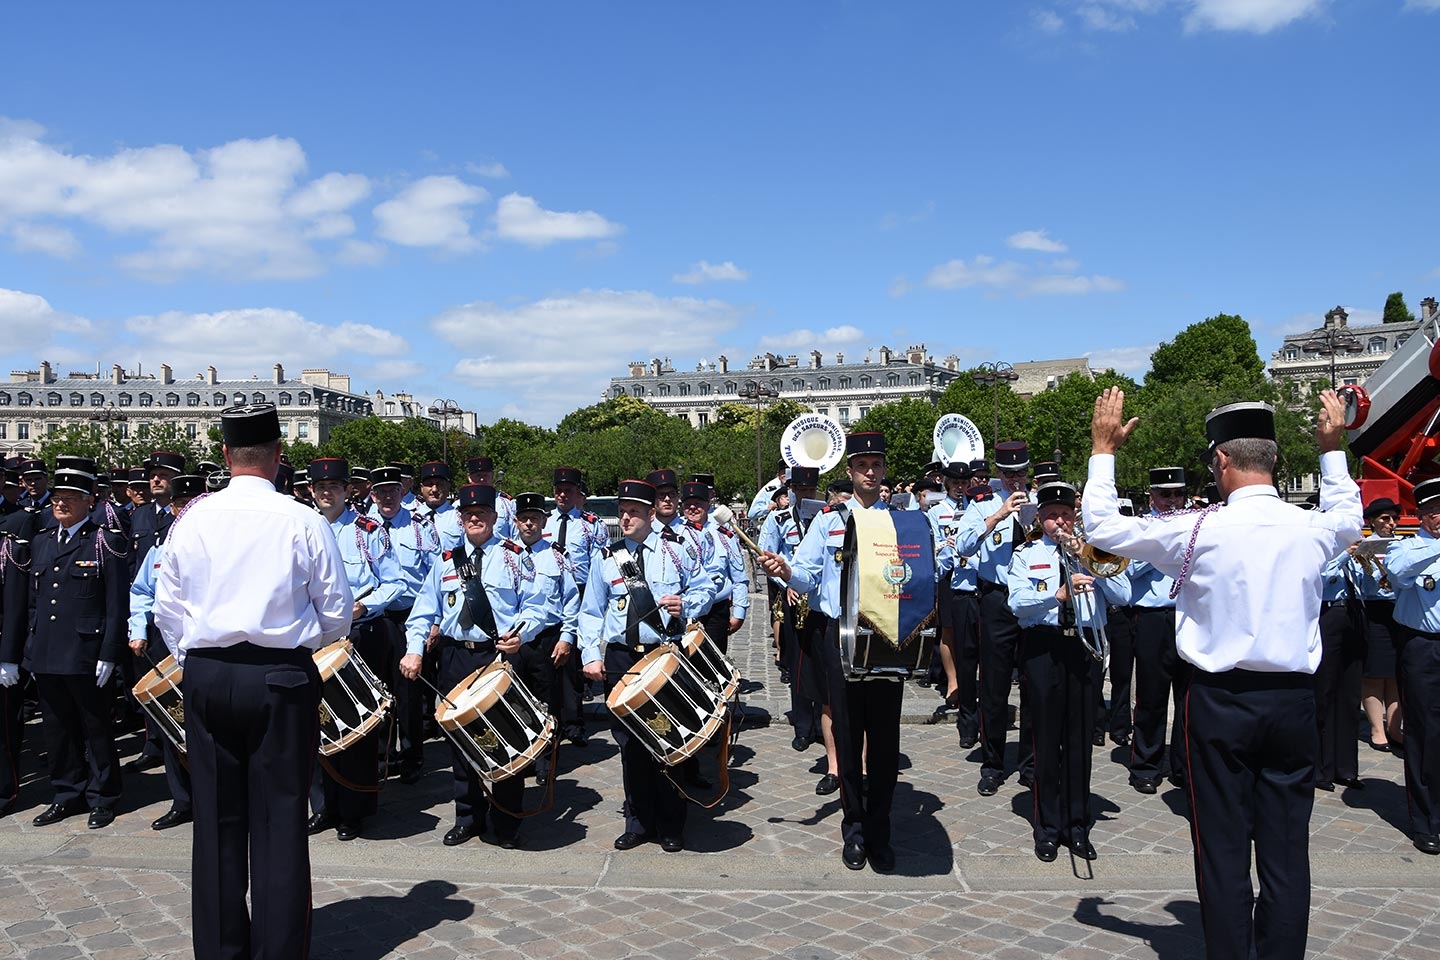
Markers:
point(642, 605)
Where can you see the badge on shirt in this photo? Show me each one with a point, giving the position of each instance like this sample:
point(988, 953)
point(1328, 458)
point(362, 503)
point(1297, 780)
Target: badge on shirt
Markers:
point(1428, 583)
point(450, 599)
point(528, 563)
point(1041, 586)
point(621, 601)
point(997, 539)
point(839, 557)
point(964, 562)
point(87, 563)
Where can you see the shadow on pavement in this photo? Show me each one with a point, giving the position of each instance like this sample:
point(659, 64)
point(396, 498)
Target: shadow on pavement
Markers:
point(1178, 941)
point(923, 848)
point(368, 928)
point(1385, 798)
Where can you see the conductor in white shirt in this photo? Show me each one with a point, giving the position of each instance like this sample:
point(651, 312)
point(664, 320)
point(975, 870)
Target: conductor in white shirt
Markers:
point(251, 585)
point(1247, 611)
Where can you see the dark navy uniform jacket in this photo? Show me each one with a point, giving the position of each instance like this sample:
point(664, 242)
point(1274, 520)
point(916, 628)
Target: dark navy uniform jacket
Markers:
point(146, 529)
point(79, 601)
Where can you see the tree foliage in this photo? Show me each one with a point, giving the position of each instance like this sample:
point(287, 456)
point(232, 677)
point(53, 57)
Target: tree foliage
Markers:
point(1218, 350)
point(1396, 311)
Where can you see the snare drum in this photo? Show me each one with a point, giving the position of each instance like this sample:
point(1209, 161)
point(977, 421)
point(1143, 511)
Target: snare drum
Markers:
point(714, 667)
point(496, 722)
point(353, 701)
point(158, 694)
point(887, 594)
point(666, 704)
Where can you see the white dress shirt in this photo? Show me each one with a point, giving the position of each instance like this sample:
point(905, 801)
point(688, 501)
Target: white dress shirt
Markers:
point(1251, 599)
point(248, 564)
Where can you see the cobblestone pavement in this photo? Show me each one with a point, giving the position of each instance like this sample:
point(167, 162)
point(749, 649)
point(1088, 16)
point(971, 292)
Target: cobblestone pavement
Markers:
point(761, 875)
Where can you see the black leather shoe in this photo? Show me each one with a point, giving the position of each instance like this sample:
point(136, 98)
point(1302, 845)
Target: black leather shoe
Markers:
point(101, 817)
point(458, 835)
point(785, 677)
point(828, 784)
point(1428, 844)
point(882, 859)
point(968, 742)
point(854, 855)
point(989, 786)
point(800, 744)
point(1099, 738)
point(629, 840)
point(579, 742)
point(1046, 850)
point(1026, 780)
point(1327, 785)
point(1120, 739)
point(1145, 784)
point(511, 843)
point(672, 844)
point(1351, 783)
point(54, 814)
point(319, 823)
point(411, 774)
point(172, 819)
point(142, 763)
point(347, 831)
point(1080, 846)
point(1176, 781)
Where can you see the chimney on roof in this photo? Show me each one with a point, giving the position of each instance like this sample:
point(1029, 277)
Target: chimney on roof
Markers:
point(45, 375)
point(210, 375)
point(1336, 318)
point(814, 359)
point(884, 355)
point(952, 362)
point(117, 373)
point(166, 374)
point(840, 359)
point(792, 361)
point(917, 354)
point(1428, 309)
point(279, 373)
point(724, 363)
point(637, 368)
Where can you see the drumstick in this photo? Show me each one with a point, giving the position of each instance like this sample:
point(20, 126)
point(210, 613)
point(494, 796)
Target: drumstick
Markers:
point(725, 516)
point(426, 680)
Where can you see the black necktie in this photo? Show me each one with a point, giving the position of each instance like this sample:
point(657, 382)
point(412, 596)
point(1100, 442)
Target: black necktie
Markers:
point(477, 603)
point(641, 603)
point(64, 537)
point(564, 522)
point(1067, 609)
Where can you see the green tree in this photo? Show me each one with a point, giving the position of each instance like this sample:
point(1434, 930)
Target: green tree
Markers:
point(370, 441)
point(909, 428)
point(1217, 350)
point(78, 440)
point(1396, 310)
point(979, 403)
point(614, 412)
point(1059, 418)
point(300, 453)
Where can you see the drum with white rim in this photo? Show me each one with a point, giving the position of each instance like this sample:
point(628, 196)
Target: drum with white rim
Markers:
point(666, 704)
point(498, 724)
point(714, 667)
point(353, 701)
point(158, 694)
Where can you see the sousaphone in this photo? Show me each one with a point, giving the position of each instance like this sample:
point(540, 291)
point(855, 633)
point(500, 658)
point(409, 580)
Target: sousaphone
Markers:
point(957, 439)
point(813, 440)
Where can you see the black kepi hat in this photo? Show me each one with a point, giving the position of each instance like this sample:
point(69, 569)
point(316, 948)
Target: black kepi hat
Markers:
point(68, 478)
point(1427, 491)
point(32, 465)
point(706, 478)
point(1249, 419)
point(1167, 478)
point(475, 495)
point(434, 470)
point(1012, 455)
point(566, 475)
point(695, 491)
point(640, 491)
point(359, 473)
point(662, 478)
point(407, 470)
point(187, 485)
point(249, 425)
point(1058, 493)
point(862, 443)
point(385, 477)
point(955, 471)
point(479, 464)
point(83, 464)
point(1046, 471)
point(530, 502)
point(1382, 505)
point(329, 468)
point(804, 476)
point(167, 460)
point(980, 466)
point(137, 477)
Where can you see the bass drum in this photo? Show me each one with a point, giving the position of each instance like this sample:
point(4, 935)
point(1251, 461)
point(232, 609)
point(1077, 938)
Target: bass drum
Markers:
point(887, 594)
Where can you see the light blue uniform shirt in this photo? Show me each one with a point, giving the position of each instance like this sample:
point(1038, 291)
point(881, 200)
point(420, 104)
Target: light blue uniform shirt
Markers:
point(1414, 565)
point(551, 595)
point(1035, 574)
point(367, 566)
point(1369, 583)
point(413, 545)
point(814, 570)
point(945, 519)
point(780, 535)
point(585, 539)
point(702, 550)
point(1335, 584)
point(670, 568)
point(991, 551)
point(734, 583)
point(142, 595)
point(502, 568)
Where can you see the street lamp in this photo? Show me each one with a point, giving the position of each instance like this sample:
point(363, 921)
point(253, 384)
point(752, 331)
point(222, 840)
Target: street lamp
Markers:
point(1332, 341)
point(758, 392)
point(992, 374)
point(105, 416)
point(445, 409)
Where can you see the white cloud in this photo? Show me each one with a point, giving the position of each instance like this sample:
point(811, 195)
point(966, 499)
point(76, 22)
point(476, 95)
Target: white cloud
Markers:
point(1035, 240)
point(432, 212)
point(987, 273)
point(1097, 17)
point(810, 340)
point(45, 238)
point(1424, 5)
point(1047, 21)
point(899, 287)
point(546, 356)
point(241, 209)
point(492, 169)
point(28, 319)
point(249, 340)
point(1250, 16)
point(521, 219)
point(360, 253)
point(706, 272)
point(1132, 361)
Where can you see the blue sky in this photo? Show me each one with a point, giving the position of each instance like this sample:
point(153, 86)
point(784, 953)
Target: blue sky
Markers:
point(503, 204)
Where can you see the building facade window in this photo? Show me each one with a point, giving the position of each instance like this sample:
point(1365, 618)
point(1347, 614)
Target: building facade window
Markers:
point(4, 431)
point(219, 399)
point(77, 399)
point(618, 391)
point(302, 430)
point(190, 431)
point(639, 391)
point(147, 400)
point(126, 400)
point(285, 398)
point(845, 383)
point(914, 379)
point(192, 399)
point(1376, 345)
point(172, 399)
point(304, 399)
point(1292, 352)
point(51, 428)
point(892, 379)
point(704, 389)
point(730, 387)
point(704, 419)
point(124, 430)
point(257, 397)
point(864, 411)
point(4, 399)
point(684, 389)
point(22, 431)
point(25, 398)
point(663, 390)
point(97, 399)
point(865, 381)
point(53, 399)
point(823, 383)
point(844, 414)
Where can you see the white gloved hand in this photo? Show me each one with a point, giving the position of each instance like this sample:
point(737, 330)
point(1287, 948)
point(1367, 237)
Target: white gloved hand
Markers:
point(102, 672)
point(9, 674)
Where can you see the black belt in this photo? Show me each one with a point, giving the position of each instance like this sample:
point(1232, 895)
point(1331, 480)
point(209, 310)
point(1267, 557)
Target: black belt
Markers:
point(1327, 604)
point(987, 587)
point(398, 616)
point(483, 646)
point(645, 647)
point(1246, 681)
point(253, 654)
point(1055, 631)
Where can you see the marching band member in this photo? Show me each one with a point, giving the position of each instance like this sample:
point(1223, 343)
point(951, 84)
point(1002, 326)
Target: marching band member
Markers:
point(18, 528)
point(989, 531)
point(250, 586)
point(358, 490)
point(1414, 567)
point(1160, 674)
point(474, 595)
point(408, 500)
point(1379, 690)
point(481, 471)
point(640, 595)
point(732, 582)
point(349, 780)
point(144, 634)
point(552, 598)
point(764, 500)
point(435, 506)
point(867, 712)
point(958, 606)
point(1248, 611)
point(582, 537)
point(1060, 672)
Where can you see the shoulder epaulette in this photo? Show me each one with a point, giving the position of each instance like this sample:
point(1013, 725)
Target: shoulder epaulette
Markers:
point(669, 534)
point(982, 497)
point(726, 530)
point(589, 517)
point(513, 547)
point(368, 524)
point(830, 508)
point(505, 495)
point(557, 548)
point(447, 554)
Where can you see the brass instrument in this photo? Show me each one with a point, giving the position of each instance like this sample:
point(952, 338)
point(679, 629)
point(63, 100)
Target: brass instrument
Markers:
point(1101, 564)
point(802, 610)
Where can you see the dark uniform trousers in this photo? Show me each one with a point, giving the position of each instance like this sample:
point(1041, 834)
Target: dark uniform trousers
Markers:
point(1061, 676)
point(804, 711)
point(1418, 669)
point(12, 730)
point(1120, 631)
point(251, 732)
point(534, 666)
point(409, 716)
point(716, 622)
point(569, 693)
point(1337, 689)
point(999, 656)
point(963, 618)
point(1253, 744)
point(1160, 675)
point(866, 723)
point(177, 775)
point(457, 661)
point(351, 792)
point(79, 739)
point(653, 805)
